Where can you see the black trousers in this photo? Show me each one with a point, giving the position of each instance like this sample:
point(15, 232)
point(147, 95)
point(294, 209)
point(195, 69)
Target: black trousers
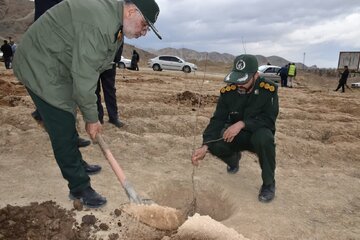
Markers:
point(283, 81)
point(134, 66)
point(61, 127)
point(107, 83)
point(341, 85)
point(7, 61)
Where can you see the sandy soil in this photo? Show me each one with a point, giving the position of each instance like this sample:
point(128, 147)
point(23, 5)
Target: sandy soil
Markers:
point(318, 162)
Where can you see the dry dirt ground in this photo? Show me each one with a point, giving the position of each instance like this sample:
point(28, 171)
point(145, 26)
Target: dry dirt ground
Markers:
point(318, 162)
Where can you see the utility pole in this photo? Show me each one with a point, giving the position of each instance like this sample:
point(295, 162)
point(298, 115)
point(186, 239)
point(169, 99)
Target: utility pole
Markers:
point(304, 61)
point(243, 43)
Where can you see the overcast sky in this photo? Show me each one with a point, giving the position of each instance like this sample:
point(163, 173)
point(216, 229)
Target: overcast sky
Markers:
point(318, 28)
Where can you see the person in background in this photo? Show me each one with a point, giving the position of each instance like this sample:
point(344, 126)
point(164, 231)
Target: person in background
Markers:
point(7, 54)
point(41, 6)
point(283, 72)
point(291, 74)
point(59, 61)
point(12, 44)
point(343, 79)
point(134, 61)
point(244, 119)
point(107, 82)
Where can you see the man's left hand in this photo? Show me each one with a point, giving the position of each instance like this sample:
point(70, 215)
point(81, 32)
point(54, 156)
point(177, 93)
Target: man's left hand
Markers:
point(232, 131)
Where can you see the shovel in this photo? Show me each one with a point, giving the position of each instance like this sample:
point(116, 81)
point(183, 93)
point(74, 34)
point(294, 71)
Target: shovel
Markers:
point(145, 210)
point(130, 191)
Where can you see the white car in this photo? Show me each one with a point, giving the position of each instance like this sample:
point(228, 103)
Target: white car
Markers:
point(167, 62)
point(355, 85)
point(270, 72)
point(124, 63)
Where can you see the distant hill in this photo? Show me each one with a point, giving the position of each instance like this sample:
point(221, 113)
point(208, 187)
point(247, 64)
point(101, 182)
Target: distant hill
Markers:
point(15, 17)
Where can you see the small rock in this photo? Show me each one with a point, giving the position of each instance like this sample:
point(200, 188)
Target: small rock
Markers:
point(89, 219)
point(11, 223)
point(104, 226)
point(78, 205)
point(117, 212)
point(113, 236)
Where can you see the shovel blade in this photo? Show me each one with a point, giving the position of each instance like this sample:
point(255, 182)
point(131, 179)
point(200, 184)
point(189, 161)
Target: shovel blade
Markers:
point(133, 196)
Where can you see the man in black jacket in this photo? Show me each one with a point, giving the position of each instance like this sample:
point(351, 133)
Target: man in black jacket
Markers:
point(42, 6)
point(7, 54)
point(134, 61)
point(343, 79)
point(283, 72)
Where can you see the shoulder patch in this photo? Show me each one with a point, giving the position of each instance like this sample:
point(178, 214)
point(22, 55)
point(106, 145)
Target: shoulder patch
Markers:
point(267, 85)
point(228, 88)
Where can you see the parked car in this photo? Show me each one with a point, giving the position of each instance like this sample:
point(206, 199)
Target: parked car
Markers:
point(355, 85)
point(124, 63)
point(171, 63)
point(270, 72)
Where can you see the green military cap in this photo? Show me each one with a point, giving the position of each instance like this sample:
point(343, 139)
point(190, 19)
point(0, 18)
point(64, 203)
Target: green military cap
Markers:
point(150, 10)
point(245, 66)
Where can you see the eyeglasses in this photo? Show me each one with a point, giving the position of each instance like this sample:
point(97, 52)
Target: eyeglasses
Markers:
point(145, 25)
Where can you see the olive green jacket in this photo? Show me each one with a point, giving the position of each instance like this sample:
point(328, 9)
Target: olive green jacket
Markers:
point(62, 54)
point(258, 109)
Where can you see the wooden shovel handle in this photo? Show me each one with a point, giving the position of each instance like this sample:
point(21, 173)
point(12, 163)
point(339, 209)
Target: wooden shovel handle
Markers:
point(113, 163)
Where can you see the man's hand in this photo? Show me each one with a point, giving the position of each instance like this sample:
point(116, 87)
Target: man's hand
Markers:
point(198, 155)
point(92, 129)
point(232, 131)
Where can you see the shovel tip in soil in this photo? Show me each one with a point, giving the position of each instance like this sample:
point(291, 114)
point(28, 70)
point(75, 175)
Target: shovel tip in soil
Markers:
point(156, 216)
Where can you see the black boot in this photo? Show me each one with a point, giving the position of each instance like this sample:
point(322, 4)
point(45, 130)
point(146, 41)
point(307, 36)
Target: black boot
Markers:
point(267, 192)
point(89, 197)
point(36, 116)
point(116, 122)
point(83, 142)
point(91, 169)
point(233, 163)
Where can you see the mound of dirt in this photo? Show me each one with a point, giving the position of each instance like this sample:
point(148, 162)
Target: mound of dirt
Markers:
point(49, 221)
point(204, 228)
point(10, 92)
point(163, 218)
point(192, 99)
point(40, 221)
